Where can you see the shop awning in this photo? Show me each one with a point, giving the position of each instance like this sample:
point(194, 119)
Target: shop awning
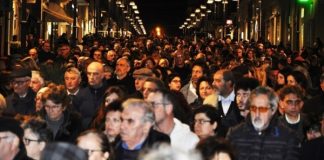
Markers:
point(56, 13)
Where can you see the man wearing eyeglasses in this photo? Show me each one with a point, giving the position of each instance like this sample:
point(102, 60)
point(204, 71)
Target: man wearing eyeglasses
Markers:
point(291, 100)
point(261, 136)
point(36, 136)
point(22, 100)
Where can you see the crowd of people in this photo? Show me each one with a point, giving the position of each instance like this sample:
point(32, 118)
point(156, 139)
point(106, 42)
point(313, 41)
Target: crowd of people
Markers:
point(162, 98)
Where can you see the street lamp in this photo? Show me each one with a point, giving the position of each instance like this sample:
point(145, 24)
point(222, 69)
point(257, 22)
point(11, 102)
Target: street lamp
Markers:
point(210, 1)
point(131, 3)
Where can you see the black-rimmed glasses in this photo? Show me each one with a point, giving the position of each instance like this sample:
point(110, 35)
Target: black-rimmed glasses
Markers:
point(155, 104)
point(201, 121)
point(91, 151)
point(4, 138)
point(19, 83)
point(27, 140)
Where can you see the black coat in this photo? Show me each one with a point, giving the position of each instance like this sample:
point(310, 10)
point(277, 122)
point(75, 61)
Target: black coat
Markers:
point(313, 149)
point(152, 138)
point(277, 142)
point(87, 102)
point(24, 106)
point(300, 128)
point(232, 118)
point(314, 107)
point(70, 129)
point(127, 83)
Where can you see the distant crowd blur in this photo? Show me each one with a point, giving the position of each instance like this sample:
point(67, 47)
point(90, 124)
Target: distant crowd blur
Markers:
point(153, 98)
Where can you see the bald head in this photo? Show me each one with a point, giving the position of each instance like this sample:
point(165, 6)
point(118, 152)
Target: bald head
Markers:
point(95, 73)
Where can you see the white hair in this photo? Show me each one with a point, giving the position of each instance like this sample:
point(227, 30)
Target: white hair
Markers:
point(36, 75)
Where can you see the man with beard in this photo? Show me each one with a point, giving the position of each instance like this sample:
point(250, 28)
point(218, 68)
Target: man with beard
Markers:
point(189, 90)
point(224, 82)
point(122, 77)
point(261, 136)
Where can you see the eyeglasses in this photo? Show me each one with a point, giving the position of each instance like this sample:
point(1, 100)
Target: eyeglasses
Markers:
point(128, 121)
point(150, 89)
point(156, 104)
point(176, 81)
point(5, 138)
point(91, 151)
point(114, 120)
point(293, 102)
point(52, 107)
point(261, 109)
point(201, 121)
point(19, 83)
point(27, 140)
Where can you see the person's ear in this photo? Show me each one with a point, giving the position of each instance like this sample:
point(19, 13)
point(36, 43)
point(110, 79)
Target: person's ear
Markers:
point(301, 104)
point(281, 104)
point(15, 143)
point(106, 155)
point(42, 145)
point(273, 110)
point(147, 127)
point(215, 125)
point(169, 109)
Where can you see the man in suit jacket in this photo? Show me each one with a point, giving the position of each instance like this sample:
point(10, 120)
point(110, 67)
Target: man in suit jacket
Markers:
point(224, 81)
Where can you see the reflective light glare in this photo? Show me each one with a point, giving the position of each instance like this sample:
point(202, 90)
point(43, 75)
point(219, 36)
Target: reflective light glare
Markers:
point(131, 3)
point(210, 1)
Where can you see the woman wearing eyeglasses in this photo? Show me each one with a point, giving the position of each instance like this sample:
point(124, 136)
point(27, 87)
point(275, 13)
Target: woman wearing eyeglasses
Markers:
point(36, 136)
point(206, 121)
point(65, 124)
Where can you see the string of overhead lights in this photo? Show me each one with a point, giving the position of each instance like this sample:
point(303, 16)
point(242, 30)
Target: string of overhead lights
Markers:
point(196, 17)
point(131, 13)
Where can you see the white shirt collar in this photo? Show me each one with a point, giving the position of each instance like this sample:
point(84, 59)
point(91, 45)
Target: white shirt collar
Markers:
point(231, 97)
point(192, 88)
point(292, 122)
point(75, 93)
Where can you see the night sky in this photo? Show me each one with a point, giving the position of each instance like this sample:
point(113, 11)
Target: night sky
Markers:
point(167, 14)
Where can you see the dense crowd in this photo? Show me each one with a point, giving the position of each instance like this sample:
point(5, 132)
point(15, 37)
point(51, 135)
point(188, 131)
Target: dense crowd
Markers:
point(154, 98)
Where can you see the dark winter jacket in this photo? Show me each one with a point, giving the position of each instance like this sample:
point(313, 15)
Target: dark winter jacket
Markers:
point(277, 142)
point(70, 128)
point(153, 137)
point(87, 102)
point(24, 106)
